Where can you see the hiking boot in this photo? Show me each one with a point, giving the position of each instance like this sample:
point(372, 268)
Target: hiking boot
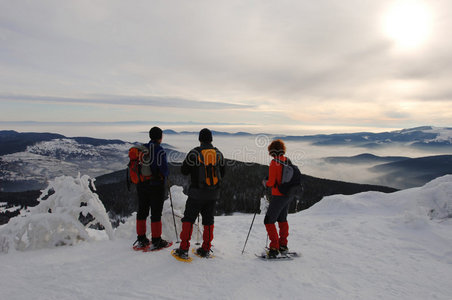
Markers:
point(272, 253)
point(181, 253)
point(202, 252)
point(159, 243)
point(142, 243)
point(283, 249)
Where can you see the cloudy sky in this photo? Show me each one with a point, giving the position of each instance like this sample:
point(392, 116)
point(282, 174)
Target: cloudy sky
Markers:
point(273, 66)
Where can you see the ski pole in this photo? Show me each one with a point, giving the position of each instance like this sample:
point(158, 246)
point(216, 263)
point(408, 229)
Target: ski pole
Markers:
point(267, 198)
point(172, 210)
point(249, 232)
point(197, 233)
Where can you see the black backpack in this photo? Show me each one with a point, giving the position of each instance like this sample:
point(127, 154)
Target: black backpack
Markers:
point(209, 176)
point(290, 179)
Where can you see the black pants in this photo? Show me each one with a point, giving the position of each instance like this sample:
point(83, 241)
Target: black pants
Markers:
point(278, 209)
point(195, 206)
point(150, 196)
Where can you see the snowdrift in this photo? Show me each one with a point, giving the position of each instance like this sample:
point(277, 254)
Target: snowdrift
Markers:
point(432, 201)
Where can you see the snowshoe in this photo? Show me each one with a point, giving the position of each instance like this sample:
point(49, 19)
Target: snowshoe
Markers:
point(273, 254)
point(159, 244)
point(181, 255)
point(293, 254)
point(142, 244)
point(201, 252)
point(283, 249)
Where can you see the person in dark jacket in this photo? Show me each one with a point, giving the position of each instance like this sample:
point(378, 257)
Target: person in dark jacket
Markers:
point(201, 195)
point(151, 195)
point(279, 203)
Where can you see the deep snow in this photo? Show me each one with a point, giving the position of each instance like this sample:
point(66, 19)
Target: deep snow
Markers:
point(366, 246)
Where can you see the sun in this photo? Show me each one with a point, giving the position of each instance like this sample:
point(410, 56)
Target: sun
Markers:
point(408, 23)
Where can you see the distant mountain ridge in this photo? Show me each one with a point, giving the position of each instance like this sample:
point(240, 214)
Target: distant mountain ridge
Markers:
point(12, 141)
point(420, 137)
point(425, 136)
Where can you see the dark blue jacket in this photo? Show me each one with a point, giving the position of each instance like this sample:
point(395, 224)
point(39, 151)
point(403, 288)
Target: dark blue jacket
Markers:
point(159, 163)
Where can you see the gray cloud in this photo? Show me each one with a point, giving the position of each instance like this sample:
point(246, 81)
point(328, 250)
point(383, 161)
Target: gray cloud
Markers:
point(129, 100)
point(120, 123)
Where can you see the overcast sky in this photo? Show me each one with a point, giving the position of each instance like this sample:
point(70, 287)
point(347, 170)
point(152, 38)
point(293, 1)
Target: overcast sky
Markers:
point(272, 66)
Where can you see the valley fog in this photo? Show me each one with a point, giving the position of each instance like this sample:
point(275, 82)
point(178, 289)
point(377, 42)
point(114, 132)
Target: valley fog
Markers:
point(308, 157)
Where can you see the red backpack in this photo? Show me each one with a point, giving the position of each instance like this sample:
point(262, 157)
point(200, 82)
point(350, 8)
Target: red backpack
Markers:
point(139, 167)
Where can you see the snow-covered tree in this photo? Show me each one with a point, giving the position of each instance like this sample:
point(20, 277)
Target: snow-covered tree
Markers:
point(59, 219)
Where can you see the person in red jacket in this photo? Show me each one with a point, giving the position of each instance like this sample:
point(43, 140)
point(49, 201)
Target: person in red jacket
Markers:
point(279, 203)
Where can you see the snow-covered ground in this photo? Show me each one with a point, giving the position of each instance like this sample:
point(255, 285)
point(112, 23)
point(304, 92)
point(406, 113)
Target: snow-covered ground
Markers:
point(366, 246)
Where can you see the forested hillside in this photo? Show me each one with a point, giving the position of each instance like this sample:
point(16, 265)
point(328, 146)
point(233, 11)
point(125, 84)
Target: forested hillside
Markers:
point(241, 191)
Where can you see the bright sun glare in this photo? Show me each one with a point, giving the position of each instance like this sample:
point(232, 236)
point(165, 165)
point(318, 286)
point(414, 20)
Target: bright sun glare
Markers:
point(408, 23)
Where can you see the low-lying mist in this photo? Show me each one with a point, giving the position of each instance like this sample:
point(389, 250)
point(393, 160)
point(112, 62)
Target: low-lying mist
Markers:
point(311, 159)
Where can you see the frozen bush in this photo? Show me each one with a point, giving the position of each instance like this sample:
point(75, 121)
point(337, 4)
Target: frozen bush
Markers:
point(59, 218)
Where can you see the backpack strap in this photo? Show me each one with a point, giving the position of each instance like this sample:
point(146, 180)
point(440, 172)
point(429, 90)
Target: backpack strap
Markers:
point(287, 162)
point(128, 178)
point(199, 152)
point(284, 163)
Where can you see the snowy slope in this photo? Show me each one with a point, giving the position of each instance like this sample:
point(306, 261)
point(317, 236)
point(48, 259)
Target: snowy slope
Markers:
point(58, 157)
point(44, 160)
point(366, 246)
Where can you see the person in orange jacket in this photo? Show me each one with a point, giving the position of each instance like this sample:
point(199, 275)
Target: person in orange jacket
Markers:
point(279, 203)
